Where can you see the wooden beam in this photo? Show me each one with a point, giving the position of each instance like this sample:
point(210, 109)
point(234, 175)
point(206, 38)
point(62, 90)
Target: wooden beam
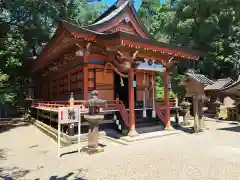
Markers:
point(69, 82)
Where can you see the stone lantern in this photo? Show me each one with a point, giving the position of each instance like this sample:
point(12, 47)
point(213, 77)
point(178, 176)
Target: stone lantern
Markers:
point(94, 118)
point(185, 110)
point(217, 105)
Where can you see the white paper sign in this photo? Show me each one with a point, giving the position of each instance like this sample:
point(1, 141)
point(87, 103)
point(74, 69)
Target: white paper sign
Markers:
point(68, 115)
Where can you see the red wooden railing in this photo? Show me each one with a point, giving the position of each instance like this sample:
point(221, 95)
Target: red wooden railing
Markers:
point(160, 111)
point(111, 105)
point(124, 113)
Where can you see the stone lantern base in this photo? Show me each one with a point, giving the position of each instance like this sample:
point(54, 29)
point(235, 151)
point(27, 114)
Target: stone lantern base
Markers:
point(93, 134)
point(185, 113)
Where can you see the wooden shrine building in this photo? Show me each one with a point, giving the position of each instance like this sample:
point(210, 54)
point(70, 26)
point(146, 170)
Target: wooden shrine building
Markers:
point(233, 91)
point(115, 55)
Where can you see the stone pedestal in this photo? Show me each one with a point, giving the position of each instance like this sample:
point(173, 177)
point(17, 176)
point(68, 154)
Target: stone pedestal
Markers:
point(132, 133)
point(93, 134)
point(168, 126)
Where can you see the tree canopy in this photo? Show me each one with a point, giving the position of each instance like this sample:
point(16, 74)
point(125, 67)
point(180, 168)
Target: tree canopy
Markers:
point(210, 26)
point(25, 27)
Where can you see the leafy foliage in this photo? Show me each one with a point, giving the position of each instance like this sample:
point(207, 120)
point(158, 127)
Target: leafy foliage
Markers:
point(210, 26)
point(160, 89)
point(25, 27)
point(213, 27)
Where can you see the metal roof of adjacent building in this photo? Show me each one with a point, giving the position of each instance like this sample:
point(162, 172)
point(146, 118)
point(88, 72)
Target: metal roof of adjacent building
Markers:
point(219, 84)
point(200, 78)
point(233, 88)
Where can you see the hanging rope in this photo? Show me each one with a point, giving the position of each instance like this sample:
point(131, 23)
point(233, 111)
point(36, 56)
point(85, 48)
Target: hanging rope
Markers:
point(122, 75)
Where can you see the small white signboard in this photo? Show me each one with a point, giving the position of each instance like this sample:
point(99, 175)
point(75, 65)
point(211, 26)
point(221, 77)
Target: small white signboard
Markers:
point(68, 115)
point(134, 84)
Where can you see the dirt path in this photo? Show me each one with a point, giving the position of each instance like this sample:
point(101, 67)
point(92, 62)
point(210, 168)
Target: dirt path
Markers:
point(26, 153)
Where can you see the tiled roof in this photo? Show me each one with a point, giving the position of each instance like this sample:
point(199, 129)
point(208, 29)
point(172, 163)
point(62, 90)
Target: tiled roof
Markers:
point(200, 78)
point(232, 88)
point(219, 84)
point(75, 28)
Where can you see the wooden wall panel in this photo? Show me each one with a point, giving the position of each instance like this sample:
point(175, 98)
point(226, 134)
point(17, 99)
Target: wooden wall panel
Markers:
point(54, 89)
point(104, 78)
point(141, 85)
point(140, 88)
point(91, 79)
point(139, 78)
point(106, 94)
point(105, 84)
point(76, 81)
point(63, 85)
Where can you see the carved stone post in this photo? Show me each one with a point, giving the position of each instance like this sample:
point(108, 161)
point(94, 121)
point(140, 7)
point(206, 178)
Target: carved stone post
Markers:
point(196, 116)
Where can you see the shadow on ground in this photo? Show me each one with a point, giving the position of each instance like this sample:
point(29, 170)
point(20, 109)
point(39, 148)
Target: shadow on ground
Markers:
point(7, 125)
point(70, 175)
point(13, 173)
point(19, 173)
point(3, 154)
point(233, 129)
point(189, 130)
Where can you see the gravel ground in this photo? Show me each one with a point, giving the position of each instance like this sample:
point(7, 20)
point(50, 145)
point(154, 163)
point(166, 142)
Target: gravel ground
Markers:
point(26, 153)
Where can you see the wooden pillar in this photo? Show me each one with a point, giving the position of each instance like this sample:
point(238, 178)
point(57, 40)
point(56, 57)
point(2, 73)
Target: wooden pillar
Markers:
point(166, 100)
point(85, 79)
point(144, 96)
point(132, 130)
point(50, 84)
point(43, 90)
point(58, 86)
point(69, 82)
point(153, 96)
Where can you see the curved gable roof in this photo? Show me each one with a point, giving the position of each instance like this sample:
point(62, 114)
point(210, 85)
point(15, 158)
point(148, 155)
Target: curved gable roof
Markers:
point(113, 12)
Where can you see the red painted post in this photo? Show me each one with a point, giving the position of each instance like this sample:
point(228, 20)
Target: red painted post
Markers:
point(132, 131)
point(69, 81)
point(58, 87)
point(85, 79)
point(166, 100)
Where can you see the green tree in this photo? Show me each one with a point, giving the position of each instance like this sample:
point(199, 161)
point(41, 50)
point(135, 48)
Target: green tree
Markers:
point(25, 27)
point(213, 27)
